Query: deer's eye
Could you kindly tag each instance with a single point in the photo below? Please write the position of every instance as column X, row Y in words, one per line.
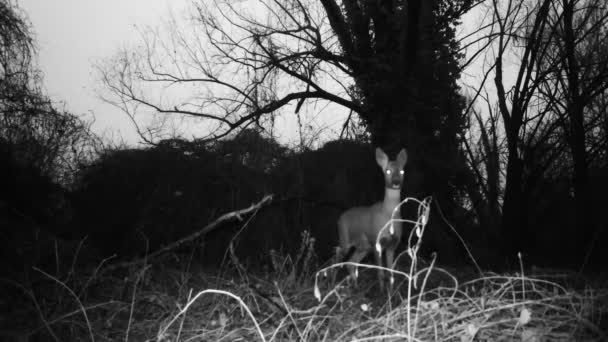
column 388, row 172
column 402, row 172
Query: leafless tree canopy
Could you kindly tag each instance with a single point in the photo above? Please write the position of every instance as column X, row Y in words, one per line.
column 548, row 64
column 32, row 129
column 538, row 115
column 235, row 63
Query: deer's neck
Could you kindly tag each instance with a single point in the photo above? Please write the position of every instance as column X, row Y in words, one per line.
column 392, row 197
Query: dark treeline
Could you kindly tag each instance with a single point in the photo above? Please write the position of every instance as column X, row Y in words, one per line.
column 518, row 166
column 132, row 201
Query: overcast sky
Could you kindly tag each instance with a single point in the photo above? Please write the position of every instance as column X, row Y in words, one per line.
column 73, row 34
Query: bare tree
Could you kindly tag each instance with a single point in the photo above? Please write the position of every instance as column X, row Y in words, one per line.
column 244, row 63
column 517, row 35
column 32, row 129
column 248, row 60
column 392, row 65
column 548, row 61
column 484, row 146
column 578, row 65
column 16, row 52
column 597, row 136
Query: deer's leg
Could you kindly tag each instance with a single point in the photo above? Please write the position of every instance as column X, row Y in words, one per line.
column 357, row 256
column 378, row 259
column 390, row 257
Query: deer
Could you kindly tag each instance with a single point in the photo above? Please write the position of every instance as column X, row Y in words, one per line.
column 360, row 229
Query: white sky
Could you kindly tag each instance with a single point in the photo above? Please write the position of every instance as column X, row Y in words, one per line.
column 73, row 34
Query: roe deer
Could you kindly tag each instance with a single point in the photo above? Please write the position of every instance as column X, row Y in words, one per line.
column 358, row 227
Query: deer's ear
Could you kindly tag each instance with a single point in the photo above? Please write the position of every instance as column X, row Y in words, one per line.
column 402, row 158
column 381, row 158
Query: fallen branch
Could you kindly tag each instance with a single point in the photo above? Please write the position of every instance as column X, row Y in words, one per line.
column 205, row 230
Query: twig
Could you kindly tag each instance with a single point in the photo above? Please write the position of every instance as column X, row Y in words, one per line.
column 70, row 291
column 225, row 293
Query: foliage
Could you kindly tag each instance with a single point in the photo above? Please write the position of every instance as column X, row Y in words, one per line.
column 41, row 147
column 157, row 195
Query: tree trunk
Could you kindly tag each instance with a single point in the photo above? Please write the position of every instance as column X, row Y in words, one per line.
column 580, row 180
column 575, row 111
column 514, row 223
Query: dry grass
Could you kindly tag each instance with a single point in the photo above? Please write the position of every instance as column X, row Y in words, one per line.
column 160, row 304
column 293, row 300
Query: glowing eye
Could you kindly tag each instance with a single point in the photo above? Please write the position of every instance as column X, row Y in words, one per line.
column 388, row 172
column 402, row 172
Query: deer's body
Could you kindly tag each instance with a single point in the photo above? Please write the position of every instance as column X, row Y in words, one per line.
column 360, row 227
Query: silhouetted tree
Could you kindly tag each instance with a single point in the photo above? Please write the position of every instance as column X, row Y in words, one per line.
column 578, row 64
column 394, row 64
column 40, row 146
column 548, row 68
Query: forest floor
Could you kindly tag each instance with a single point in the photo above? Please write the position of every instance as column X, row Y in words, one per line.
column 295, row 300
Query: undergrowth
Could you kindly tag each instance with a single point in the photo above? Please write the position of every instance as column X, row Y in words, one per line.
column 295, row 299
